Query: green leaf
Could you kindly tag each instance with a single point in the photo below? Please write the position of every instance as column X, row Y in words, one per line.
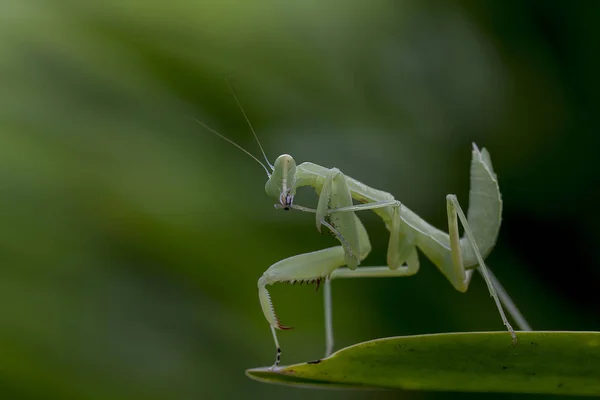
column 541, row 362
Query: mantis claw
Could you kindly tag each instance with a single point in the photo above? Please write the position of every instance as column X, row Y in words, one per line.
column 267, row 306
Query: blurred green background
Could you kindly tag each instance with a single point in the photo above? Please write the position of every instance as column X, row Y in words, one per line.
column 131, row 239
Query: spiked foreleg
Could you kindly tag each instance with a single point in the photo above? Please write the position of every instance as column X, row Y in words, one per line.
column 335, row 194
column 318, row 265
column 401, row 245
column 308, row 267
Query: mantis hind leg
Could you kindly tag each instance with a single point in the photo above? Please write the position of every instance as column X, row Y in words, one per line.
column 481, row 227
column 460, row 277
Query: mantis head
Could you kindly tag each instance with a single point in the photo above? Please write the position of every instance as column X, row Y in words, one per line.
column 282, row 181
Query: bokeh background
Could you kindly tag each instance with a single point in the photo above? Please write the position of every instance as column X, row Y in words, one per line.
column 131, row 239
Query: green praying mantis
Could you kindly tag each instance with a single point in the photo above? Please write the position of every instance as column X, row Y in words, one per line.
column 456, row 257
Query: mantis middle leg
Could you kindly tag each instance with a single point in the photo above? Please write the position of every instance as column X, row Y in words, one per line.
column 411, row 268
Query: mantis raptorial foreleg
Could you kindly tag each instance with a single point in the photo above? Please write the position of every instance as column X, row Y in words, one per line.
column 305, row 268
column 317, row 266
column 335, row 193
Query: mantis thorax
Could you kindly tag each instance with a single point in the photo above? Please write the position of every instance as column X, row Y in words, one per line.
column 282, row 182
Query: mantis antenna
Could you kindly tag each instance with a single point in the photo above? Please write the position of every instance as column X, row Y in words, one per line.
column 249, row 124
column 233, row 143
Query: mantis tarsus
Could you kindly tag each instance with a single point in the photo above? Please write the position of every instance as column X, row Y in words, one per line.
column 456, row 257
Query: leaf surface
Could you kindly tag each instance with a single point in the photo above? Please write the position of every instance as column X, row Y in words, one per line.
column 541, row 362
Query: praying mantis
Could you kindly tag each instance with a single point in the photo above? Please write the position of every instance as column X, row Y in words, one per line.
column 456, row 257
